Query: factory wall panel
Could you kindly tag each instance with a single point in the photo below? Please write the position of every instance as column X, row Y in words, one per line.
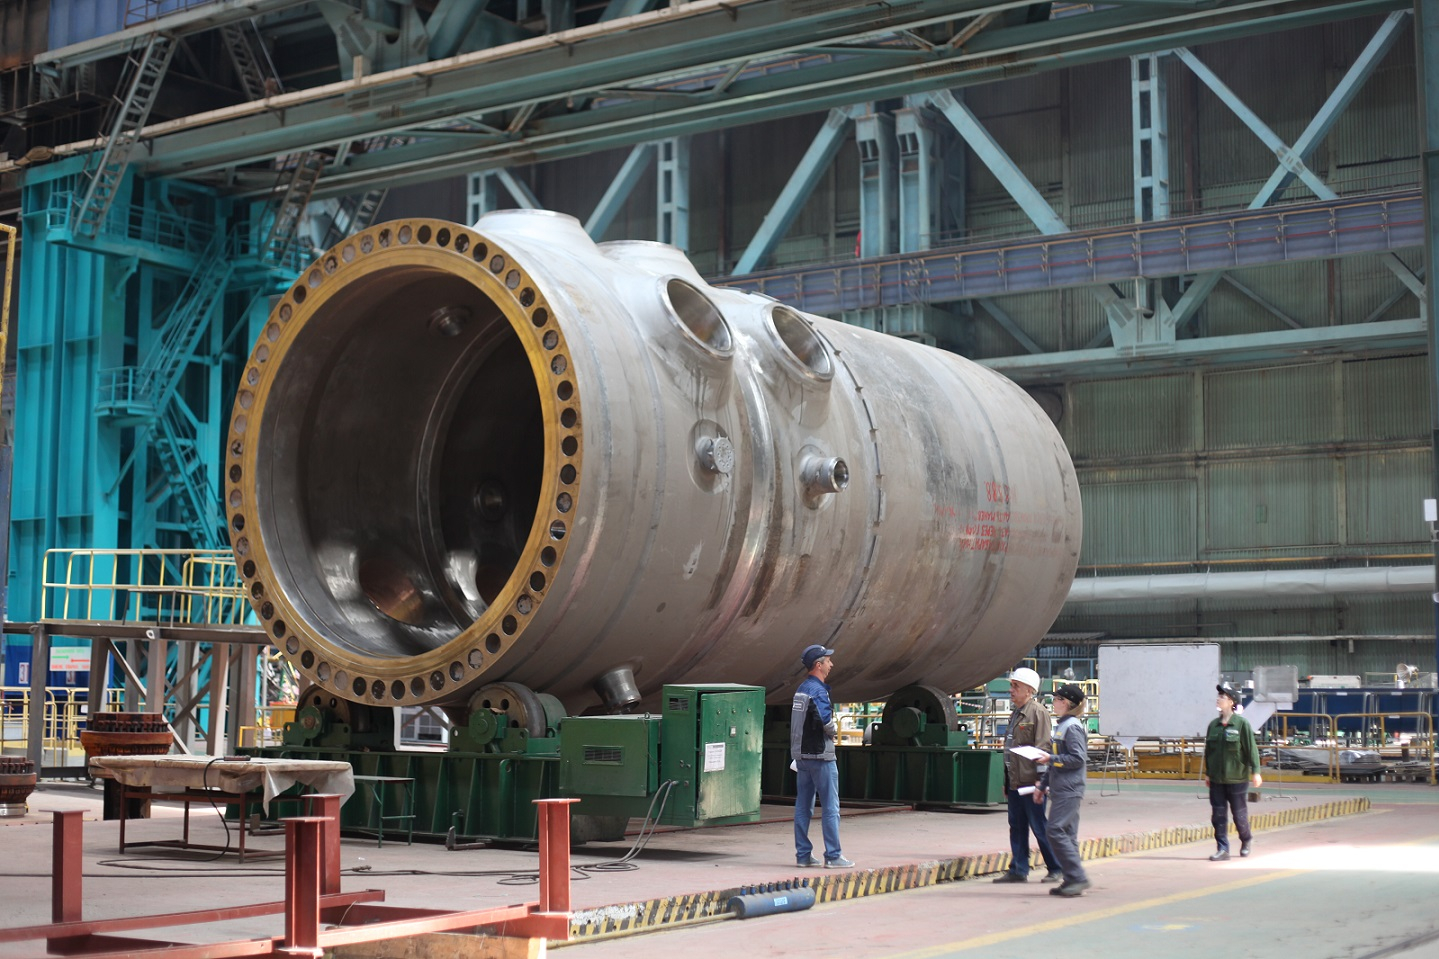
column 1145, row 522
column 1407, row 614
column 1276, row 407
column 24, row 32
column 1101, row 179
column 1375, row 144
column 1377, row 658
column 1384, row 496
column 1283, row 82
column 1026, row 118
column 1383, row 399
column 1141, row 416
column 1298, row 290
column 1367, row 290
column 74, row 21
column 1040, row 315
column 1083, row 318
column 761, row 160
column 1286, row 503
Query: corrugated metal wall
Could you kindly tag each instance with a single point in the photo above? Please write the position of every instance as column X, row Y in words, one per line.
column 1320, row 463
column 24, row 30
column 74, row 21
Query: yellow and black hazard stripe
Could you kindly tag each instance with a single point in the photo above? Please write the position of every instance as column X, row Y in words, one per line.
column 651, row 914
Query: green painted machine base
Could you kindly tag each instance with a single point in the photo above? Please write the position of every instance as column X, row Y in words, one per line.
column 931, row 775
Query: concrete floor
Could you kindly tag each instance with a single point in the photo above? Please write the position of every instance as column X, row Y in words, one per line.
column 1355, row 886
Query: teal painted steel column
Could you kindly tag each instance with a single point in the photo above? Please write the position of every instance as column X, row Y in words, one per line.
column 921, row 169
column 1427, row 59
column 1149, row 108
column 878, row 187
column 482, row 195
column 672, row 192
column 67, row 463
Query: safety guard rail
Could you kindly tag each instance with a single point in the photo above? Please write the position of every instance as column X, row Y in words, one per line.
column 163, row 586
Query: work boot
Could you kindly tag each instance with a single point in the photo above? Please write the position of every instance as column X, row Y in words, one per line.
column 1012, row 877
column 1245, row 848
column 1220, row 856
column 1070, row 889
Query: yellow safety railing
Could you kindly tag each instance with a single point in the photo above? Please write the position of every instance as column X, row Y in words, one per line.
column 161, row 586
column 14, row 715
column 269, row 728
column 66, row 710
column 1326, row 742
column 1424, row 721
column 984, row 728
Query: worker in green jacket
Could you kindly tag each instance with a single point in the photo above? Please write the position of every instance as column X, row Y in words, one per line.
column 1231, row 764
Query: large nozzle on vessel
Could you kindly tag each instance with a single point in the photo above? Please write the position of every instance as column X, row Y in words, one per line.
column 461, row 457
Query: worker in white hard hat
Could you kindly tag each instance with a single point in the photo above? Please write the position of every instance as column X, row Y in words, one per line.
column 1028, row 726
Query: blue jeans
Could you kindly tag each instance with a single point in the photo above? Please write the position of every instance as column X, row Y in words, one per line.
column 1025, row 815
column 816, row 778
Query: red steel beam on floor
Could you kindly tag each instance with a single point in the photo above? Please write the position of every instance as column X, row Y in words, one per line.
column 332, row 906
column 312, row 866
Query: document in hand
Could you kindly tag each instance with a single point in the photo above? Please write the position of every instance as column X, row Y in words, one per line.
column 1028, row 752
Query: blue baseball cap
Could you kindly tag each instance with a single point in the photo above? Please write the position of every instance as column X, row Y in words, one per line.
column 812, row 655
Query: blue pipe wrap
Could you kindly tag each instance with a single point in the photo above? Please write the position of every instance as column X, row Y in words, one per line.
column 769, row 903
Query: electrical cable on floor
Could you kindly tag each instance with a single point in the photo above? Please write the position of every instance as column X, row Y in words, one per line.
column 651, row 823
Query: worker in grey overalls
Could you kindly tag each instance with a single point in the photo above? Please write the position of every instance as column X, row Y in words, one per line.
column 1062, row 782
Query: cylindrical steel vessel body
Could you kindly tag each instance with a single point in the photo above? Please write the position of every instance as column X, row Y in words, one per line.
column 460, row 456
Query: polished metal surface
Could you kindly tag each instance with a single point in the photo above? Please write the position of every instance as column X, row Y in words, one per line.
column 460, row 457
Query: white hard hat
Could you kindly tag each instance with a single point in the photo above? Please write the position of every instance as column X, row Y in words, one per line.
column 1027, row 676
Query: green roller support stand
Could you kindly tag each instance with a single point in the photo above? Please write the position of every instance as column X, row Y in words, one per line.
column 917, row 754
column 705, row 743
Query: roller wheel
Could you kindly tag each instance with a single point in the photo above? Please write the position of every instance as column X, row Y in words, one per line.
column 525, row 708
column 934, row 704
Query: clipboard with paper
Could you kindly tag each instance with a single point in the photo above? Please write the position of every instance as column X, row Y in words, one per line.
column 1031, row 753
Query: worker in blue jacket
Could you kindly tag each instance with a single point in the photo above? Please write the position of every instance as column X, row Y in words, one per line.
column 812, row 728
column 1062, row 783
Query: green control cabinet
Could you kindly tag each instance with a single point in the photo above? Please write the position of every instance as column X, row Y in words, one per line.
column 705, row 744
column 610, row 761
column 712, row 751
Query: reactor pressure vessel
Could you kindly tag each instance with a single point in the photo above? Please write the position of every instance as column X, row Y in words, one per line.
column 506, row 454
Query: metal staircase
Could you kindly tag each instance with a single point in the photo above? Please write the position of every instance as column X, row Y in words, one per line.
column 304, row 174
column 166, row 364
column 177, row 444
column 242, row 56
column 354, row 214
column 148, row 396
column 145, row 72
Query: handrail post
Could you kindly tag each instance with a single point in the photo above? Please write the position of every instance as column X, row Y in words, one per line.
column 554, row 830
column 303, row 859
column 326, row 806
